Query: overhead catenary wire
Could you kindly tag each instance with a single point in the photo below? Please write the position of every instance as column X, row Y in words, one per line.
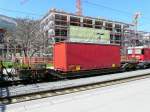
column 23, row 2
column 84, row 1
column 106, row 7
column 21, row 12
column 115, row 10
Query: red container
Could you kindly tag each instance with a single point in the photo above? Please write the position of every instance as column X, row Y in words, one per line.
column 71, row 56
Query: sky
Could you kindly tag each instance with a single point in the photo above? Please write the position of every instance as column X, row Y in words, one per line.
column 119, row 10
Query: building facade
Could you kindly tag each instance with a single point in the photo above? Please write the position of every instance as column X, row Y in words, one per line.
column 56, row 25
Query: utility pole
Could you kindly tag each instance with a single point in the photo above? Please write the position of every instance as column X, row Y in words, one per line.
column 135, row 20
column 135, row 23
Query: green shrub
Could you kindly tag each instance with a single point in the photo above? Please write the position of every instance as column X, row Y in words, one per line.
column 24, row 66
column 8, row 64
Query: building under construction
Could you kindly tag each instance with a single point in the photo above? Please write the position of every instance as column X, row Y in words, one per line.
column 57, row 25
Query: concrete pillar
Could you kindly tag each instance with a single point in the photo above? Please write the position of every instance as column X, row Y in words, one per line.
column 93, row 23
column 104, row 25
column 81, row 21
column 113, row 31
column 68, row 29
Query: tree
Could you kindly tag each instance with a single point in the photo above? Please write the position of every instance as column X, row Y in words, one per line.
column 29, row 36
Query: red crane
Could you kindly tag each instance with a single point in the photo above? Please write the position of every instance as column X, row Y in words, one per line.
column 79, row 7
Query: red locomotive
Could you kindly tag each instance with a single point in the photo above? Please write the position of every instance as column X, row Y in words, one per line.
column 140, row 54
column 139, row 57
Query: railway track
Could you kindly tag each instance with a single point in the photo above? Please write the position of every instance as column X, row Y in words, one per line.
column 69, row 90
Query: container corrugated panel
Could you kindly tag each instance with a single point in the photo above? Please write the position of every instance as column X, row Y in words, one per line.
column 71, row 56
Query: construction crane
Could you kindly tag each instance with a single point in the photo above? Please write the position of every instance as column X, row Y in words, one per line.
column 79, row 7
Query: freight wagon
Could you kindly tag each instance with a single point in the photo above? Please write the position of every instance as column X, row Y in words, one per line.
column 72, row 59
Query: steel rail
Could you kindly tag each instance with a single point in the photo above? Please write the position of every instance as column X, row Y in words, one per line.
column 69, row 90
